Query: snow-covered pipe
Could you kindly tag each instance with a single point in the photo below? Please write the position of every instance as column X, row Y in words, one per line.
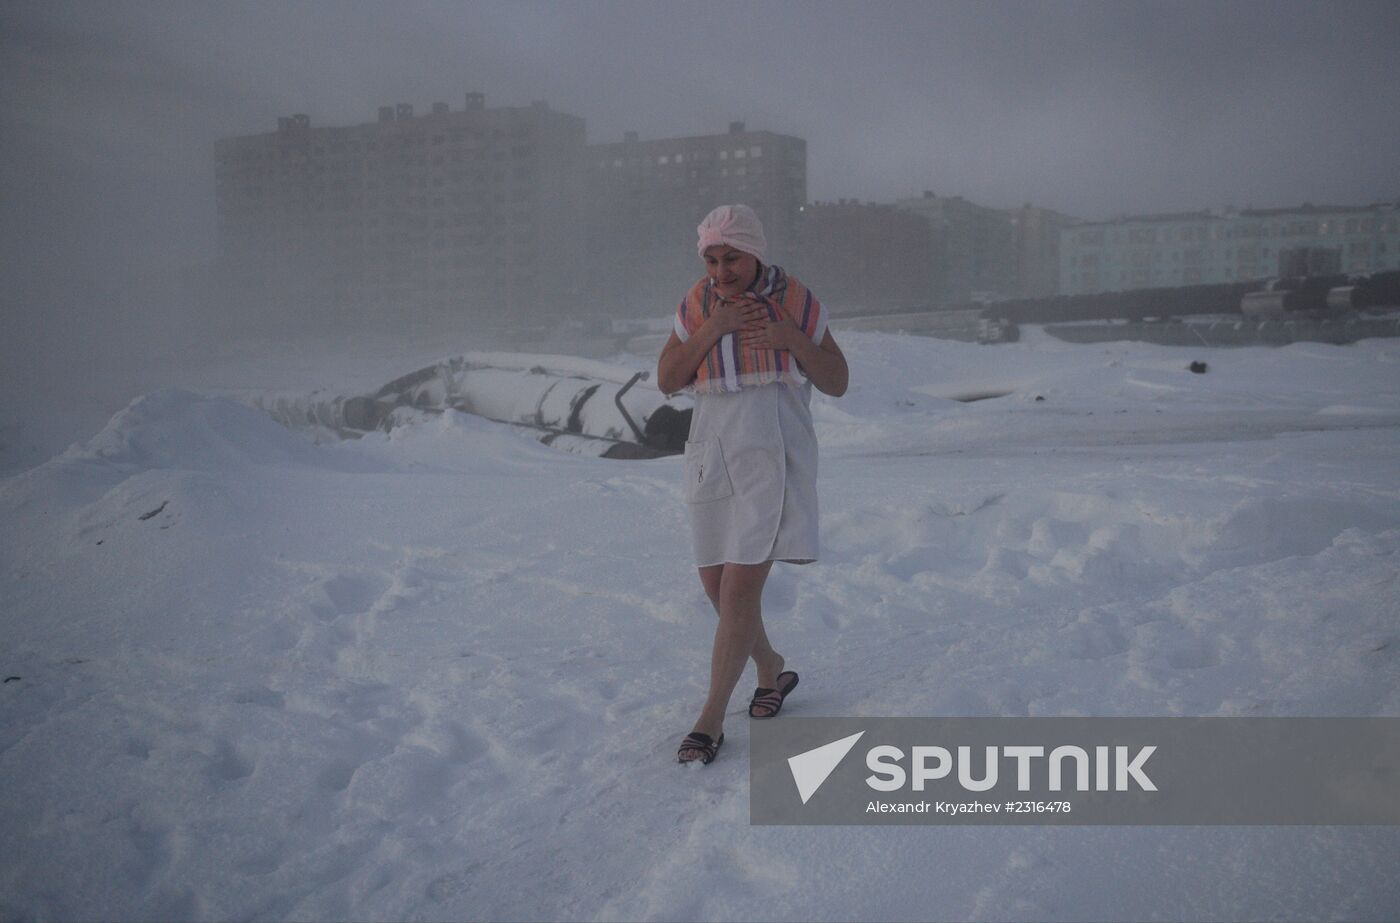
column 561, row 395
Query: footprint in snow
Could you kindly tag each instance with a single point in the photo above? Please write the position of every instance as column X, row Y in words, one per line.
column 228, row 765
column 349, row 594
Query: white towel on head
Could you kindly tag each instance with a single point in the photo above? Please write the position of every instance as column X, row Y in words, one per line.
column 735, row 225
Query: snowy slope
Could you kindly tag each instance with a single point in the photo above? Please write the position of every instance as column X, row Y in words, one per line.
column 442, row 672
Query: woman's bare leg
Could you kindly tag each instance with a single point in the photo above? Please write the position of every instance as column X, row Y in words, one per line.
column 768, row 661
column 740, row 619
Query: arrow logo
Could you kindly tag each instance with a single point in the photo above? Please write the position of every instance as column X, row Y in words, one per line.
column 810, row 769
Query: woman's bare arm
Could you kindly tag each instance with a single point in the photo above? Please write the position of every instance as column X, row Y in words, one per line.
column 824, row 365
column 680, row 358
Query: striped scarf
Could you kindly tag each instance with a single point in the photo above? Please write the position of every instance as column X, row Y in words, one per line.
column 729, row 366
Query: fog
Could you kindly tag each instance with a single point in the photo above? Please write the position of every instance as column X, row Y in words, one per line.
column 109, row 114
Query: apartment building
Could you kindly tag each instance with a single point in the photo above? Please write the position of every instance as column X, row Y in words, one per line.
column 1035, row 234
column 863, row 256
column 1227, row 245
column 973, row 247
column 647, row 196
column 475, row 212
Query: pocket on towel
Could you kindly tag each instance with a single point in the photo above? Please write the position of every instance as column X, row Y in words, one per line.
column 706, row 477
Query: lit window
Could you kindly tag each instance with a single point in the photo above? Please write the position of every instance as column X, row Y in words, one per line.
column 664, row 159
column 740, row 153
column 723, row 155
column 756, row 151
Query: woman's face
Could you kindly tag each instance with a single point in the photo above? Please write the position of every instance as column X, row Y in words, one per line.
column 731, row 270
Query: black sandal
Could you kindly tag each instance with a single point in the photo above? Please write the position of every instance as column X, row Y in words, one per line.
column 702, row 742
column 772, row 699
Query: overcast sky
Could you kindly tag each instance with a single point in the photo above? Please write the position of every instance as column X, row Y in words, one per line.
column 110, row 109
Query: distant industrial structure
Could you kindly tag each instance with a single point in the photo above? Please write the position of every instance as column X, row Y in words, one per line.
column 1195, row 248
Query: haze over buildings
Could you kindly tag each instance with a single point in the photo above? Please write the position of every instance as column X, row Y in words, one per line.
column 501, row 216
column 108, row 114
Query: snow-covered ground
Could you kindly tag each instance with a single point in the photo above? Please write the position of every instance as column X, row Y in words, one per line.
column 441, row 673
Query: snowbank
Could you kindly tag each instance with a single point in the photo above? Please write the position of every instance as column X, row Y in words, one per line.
column 441, row 672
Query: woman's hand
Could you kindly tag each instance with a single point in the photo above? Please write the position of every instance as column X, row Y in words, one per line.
column 773, row 334
column 743, row 312
column 823, row 363
column 675, row 368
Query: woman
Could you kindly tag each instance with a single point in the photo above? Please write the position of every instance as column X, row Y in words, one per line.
column 749, row 341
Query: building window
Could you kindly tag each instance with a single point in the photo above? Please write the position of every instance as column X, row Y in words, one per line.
column 756, row 151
